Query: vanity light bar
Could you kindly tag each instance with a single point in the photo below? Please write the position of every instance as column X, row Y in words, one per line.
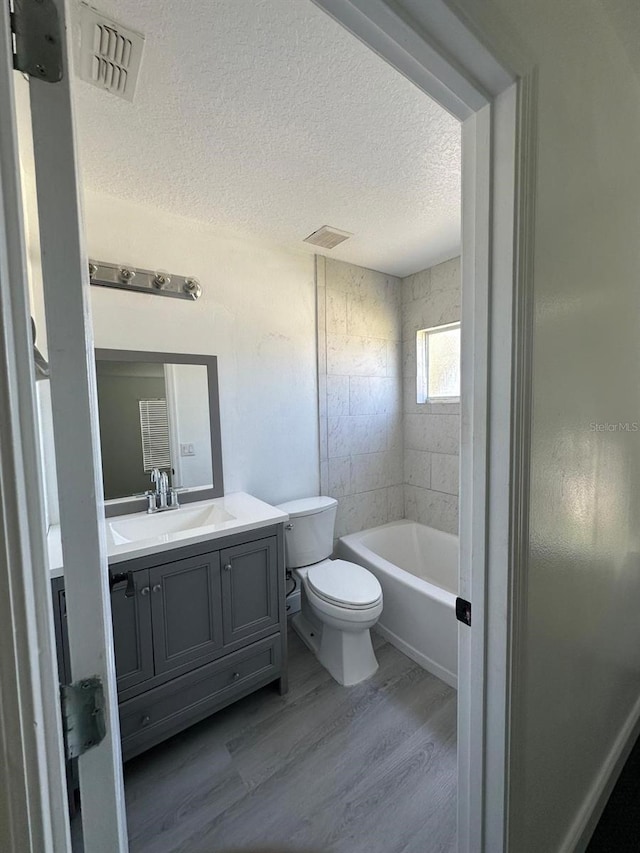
column 144, row 281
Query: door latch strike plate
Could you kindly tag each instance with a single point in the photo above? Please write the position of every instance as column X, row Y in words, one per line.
column 37, row 39
column 463, row 611
column 83, row 719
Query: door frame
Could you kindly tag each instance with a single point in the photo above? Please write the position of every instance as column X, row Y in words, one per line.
column 33, row 801
column 441, row 55
column 80, row 493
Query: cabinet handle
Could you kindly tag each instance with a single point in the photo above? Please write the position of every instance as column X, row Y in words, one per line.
column 144, row 590
column 227, row 568
column 145, row 720
column 235, row 676
column 156, row 587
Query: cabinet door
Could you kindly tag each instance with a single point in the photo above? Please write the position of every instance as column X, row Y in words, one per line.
column 250, row 588
column 131, row 618
column 187, row 612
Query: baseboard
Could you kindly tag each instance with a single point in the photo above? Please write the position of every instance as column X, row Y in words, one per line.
column 581, row 830
column 424, row 661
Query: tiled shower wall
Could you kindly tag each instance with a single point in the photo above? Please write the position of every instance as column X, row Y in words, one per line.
column 431, row 430
column 382, row 455
column 360, row 396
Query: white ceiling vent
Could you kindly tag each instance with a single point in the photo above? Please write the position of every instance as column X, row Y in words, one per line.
column 328, row 237
column 110, row 54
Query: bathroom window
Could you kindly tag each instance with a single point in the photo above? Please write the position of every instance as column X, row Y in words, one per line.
column 438, row 363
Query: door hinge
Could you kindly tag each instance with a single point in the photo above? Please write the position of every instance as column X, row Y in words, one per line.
column 463, row 611
column 83, row 720
column 37, row 39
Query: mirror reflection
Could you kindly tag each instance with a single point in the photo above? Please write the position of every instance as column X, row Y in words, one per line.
column 153, row 415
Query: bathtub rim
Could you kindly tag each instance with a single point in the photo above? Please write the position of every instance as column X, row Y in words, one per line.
column 445, row 596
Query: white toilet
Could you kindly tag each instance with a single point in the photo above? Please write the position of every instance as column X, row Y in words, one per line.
column 340, row 601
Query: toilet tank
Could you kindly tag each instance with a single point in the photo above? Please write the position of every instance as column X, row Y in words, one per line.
column 308, row 537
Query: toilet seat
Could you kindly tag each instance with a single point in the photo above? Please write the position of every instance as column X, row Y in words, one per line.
column 344, row 584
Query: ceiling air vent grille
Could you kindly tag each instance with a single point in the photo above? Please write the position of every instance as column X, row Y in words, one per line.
column 110, row 54
column 327, row 237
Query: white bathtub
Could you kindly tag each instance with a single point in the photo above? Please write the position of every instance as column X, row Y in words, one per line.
column 417, row 567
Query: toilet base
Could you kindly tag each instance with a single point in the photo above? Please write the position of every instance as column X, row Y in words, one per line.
column 348, row 656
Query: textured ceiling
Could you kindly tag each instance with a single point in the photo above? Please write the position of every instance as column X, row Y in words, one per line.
column 266, row 119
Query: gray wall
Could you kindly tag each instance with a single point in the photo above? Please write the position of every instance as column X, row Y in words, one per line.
column 360, row 406
column 431, row 430
column 579, row 662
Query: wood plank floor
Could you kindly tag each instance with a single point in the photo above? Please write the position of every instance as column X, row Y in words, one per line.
column 325, row 768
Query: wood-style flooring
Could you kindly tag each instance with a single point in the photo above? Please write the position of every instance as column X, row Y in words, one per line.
column 325, row 768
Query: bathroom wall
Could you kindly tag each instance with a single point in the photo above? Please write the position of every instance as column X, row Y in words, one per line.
column 578, row 667
column 431, row 430
column 360, row 400
column 257, row 314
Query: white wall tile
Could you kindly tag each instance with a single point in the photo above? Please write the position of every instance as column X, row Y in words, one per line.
column 357, row 434
column 395, row 432
column 409, row 367
column 337, row 396
column 416, row 286
column 336, row 312
column 439, row 433
column 417, row 468
column 394, row 359
column 323, row 438
column 373, row 395
column 410, row 405
column 372, row 318
column 395, row 503
column 445, row 472
column 360, row 282
column 322, row 395
column 435, row 509
column 376, row 471
column 361, row 511
column 441, row 408
column 321, row 318
column 354, row 356
column 340, row 476
column 324, row 477
column 415, row 432
column 431, row 431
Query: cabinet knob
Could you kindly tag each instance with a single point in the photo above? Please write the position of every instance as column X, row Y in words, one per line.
column 157, row 587
column 227, row 567
column 144, row 590
column 146, row 720
column 235, row 676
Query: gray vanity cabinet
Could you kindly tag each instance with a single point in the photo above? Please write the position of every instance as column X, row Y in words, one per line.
column 131, row 618
column 194, row 629
column 249, row 589
column 186, row 612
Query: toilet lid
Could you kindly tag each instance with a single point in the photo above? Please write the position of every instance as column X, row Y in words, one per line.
column 343, row 583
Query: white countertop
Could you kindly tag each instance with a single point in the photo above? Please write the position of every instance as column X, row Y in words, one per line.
column 247, row 513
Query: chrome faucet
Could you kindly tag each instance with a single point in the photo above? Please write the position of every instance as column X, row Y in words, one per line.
column 162, row 497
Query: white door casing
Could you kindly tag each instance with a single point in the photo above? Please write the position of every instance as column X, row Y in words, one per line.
column 435, row 50
column 74, row 405
column 33, row 814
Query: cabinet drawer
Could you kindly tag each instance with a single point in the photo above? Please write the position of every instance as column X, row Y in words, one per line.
column 165, row 710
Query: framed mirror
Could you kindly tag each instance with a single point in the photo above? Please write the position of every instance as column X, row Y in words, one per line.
column 158, row 410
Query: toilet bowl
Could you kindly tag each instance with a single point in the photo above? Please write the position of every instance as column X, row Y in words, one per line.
column 340, row 601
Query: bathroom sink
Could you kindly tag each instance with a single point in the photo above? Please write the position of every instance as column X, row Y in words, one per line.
column 164, row 524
